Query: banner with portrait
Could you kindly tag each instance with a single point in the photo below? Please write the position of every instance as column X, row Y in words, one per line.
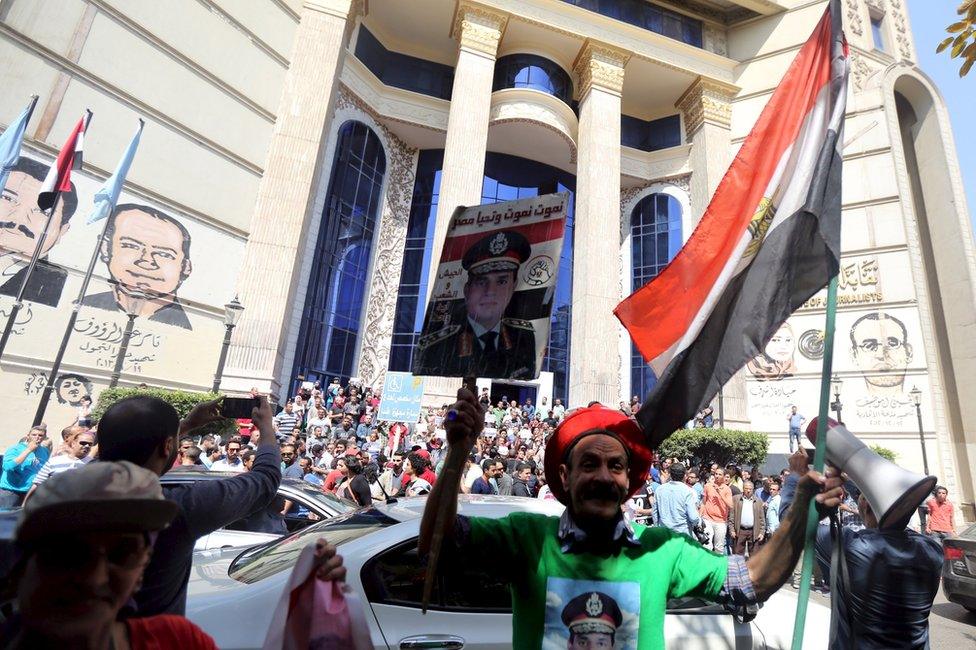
column 490, row 305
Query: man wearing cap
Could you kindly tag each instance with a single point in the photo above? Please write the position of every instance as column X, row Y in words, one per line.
column 594, row 461
column 486, row 344
column 86, row 538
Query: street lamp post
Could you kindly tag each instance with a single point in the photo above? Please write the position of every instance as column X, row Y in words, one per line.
column 835, row 385
column 917, row 399
column 232, row 313
column 136, row 301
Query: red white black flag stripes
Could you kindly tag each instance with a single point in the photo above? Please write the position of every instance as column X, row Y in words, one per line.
column 58, row 177
column 768, row 241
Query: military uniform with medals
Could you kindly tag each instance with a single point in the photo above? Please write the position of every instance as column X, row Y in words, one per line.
column 508, row 350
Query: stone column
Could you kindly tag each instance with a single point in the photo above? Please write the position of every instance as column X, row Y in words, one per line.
column 268, row 278
column 594, row 372
column 707, row 110
column 478, row 30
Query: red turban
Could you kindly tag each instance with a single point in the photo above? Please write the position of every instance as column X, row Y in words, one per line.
column 597, row 419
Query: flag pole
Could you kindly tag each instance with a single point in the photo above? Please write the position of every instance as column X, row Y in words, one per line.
column 813, row 516
column 19, row 300
column 72, row 319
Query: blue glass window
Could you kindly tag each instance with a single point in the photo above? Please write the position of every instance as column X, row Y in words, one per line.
column 650, row 135
column 506, row 178
column 531, row 71
column 877, row 32
column 402, row 70
column 655, row 238
column 328, row 339
column 647, row 16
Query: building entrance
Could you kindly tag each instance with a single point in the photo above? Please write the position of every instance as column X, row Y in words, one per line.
column 517, row 392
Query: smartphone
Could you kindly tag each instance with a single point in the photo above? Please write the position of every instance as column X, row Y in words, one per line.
column 238, row 407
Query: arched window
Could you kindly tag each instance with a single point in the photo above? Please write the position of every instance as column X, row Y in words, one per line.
column 655, row 238
column 328, row 339
column 536, row 72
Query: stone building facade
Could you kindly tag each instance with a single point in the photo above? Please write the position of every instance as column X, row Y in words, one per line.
column 313, row 151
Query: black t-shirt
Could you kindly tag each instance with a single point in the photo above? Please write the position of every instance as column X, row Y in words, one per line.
column 359, row 488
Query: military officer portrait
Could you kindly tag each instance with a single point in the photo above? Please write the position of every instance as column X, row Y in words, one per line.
column 592, row 620
column 483, row 342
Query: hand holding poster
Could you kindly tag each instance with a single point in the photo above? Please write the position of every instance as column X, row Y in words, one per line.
column 490, row 306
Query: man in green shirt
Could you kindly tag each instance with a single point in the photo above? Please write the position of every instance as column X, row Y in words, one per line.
column 622, row 575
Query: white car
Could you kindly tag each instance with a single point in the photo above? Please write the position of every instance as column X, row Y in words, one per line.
column 310, row 505
column 471, row 605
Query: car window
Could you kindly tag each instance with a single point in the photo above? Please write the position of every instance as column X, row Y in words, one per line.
column 265, row 560
column 396, row 577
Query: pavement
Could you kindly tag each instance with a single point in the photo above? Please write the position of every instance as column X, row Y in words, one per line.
column 951, row 627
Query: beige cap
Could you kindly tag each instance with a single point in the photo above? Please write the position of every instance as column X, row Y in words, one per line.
column 115, row 497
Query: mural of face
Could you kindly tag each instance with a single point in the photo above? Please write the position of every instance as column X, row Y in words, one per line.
column 21, row 221
column 71, row 389
column 780, row 347
column 147, row 253
column 881, row 352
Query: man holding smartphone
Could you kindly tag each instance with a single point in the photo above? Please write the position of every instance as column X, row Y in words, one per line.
column 144, row 430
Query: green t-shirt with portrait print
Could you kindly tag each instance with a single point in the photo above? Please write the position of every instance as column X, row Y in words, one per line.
column 625, row 593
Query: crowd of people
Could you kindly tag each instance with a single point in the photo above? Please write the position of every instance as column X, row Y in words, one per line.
column 329, row 437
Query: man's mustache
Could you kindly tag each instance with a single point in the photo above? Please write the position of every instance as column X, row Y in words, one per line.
column 11, row 225
column 603, row 491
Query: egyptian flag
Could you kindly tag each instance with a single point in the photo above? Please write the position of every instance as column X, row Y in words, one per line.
column 768, row 241
column 58, row 177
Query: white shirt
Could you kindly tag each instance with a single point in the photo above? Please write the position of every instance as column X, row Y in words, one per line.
column 746, row 520
column 58, row 464
column 223, row 466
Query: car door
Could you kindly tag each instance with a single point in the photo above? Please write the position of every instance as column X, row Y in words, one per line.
column 694, row 624
column 470, row 607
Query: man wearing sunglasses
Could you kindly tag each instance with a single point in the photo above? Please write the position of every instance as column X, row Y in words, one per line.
column 84, row 540
column 78, row 445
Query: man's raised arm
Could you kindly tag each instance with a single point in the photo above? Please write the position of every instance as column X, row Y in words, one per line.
column 463, row 430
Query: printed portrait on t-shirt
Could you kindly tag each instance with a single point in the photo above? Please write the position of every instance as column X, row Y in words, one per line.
column 591, row 614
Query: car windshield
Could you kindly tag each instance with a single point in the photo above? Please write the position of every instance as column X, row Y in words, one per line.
column 268, row 559
column 315, row 493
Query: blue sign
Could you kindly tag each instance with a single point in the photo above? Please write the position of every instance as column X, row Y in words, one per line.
column 400, row 402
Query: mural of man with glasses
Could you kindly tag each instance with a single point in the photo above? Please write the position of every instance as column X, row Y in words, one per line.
column 880, row 349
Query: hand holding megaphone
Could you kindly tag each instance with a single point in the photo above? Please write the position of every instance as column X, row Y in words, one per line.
column 892, row 492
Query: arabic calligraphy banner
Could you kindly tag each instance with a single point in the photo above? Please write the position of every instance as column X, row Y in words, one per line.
column 402, row 393
column 491, row 301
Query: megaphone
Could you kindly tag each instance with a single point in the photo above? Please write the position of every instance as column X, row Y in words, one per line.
column 894, row 493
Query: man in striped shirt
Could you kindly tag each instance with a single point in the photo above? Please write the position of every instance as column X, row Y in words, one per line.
column 286, row 422
column 78, row 446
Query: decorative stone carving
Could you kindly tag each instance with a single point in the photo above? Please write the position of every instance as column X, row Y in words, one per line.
column 877, row 5
column 599, row 64
column 902, row 37
column 517, row 105
column 854, row 17
column 715, row 40
column 377, row 328
column 478, row 28
column 706, row 101
column 860, row 71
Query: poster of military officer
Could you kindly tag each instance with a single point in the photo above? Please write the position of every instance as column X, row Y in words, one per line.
column 490, row 305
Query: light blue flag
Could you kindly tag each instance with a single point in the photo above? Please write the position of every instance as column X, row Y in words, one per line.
column 108, row 196
column 10, row 142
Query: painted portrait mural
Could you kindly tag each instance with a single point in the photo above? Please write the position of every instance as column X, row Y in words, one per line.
column 877, row 354
column 146, row 253
column 21, row 224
